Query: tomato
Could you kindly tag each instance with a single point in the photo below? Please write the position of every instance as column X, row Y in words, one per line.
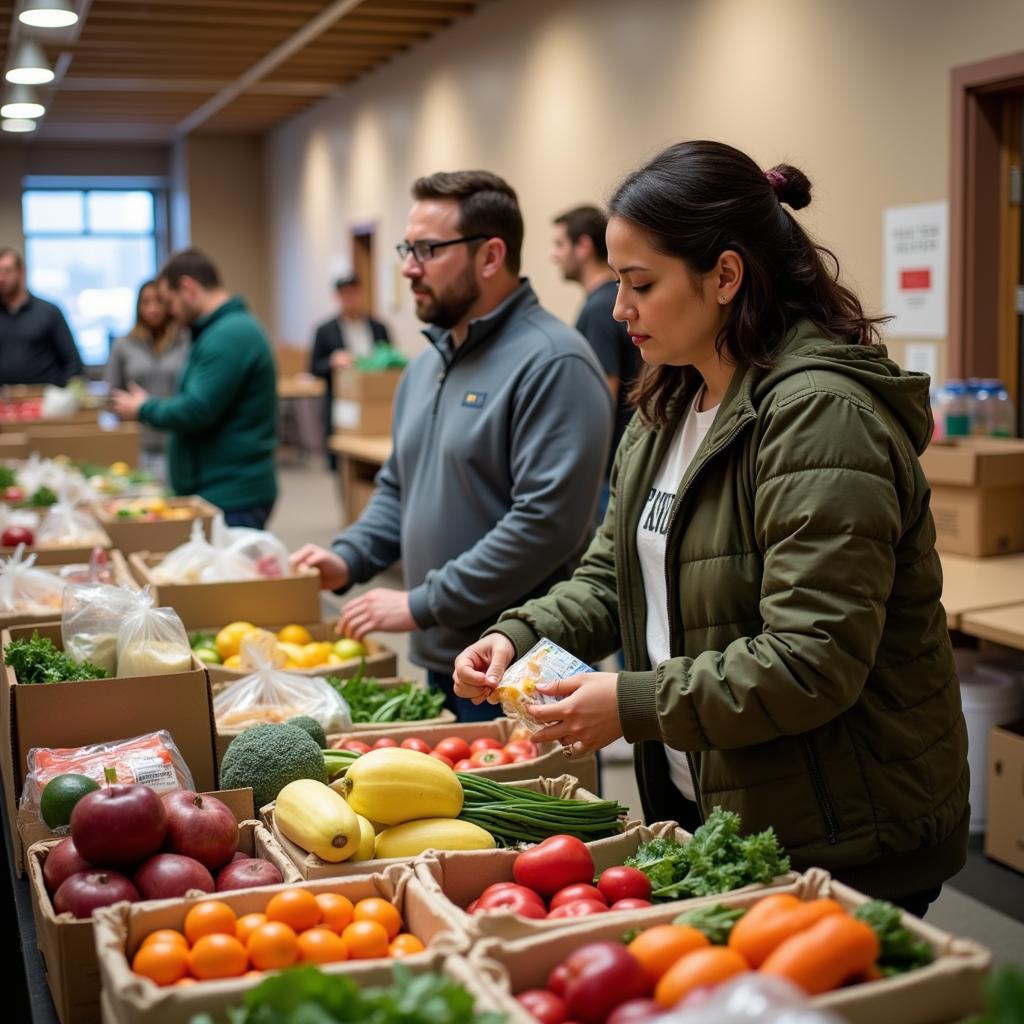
column 484, row 743
column 601, row 976
column 465, row 765
column 624, row 884
column 578, row 908
column 553, row 864
column 558, row 979
column 383, row 743
column 442, row 758
column 415, row 743
column 471, row 908
column 545, row 1006
column 631, row 904
column 514, row 898
column 522, row 750
column 357, row 747
column 571, row 893
column 489, row 758
column 455, row 748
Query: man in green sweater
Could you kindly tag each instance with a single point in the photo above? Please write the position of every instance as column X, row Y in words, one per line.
column 223, row 420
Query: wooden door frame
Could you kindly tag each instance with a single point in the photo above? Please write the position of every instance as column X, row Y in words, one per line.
column 975, row 202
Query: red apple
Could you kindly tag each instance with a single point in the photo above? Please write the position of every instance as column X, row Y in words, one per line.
column 200, row 827
column 119, row 826
column 239, row 856
column 246, row 874
column 62, row 862
column 15, row 535
column 81, row 894
column 601, row 976
column 168, row 875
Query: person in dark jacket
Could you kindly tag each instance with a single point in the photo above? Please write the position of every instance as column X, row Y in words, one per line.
column 342, row 339
column 768, row 557
column 223, row 419
column 500, row 430
column 36, row 346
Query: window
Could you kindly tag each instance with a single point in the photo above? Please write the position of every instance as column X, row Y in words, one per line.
column 88, row 250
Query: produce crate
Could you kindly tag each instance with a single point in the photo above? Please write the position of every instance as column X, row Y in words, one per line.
column 86, row 443
column 451, row 878
column 550, row 763
column 946, row 990
column 311, row 866
column 92, row 711
column 381, row 661
column 293, row 598
column 64, row 554
column 131, row 535
column 68, row 945
column 120, row 930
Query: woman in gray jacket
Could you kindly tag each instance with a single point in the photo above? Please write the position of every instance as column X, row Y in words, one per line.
column 151, row 355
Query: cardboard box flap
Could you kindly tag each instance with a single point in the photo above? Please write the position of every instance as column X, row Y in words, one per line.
column 975, row 462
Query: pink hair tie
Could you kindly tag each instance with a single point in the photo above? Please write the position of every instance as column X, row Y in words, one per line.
column 777, row 180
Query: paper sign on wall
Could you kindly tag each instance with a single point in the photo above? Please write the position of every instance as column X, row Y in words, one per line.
column 916, row 269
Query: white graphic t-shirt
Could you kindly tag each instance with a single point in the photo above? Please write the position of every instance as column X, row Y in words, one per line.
column 651, row 534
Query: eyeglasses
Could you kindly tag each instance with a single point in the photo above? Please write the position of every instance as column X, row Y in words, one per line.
column 423, row 251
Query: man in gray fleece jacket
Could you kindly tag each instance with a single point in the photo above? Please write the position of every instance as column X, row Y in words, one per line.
column 501, row 431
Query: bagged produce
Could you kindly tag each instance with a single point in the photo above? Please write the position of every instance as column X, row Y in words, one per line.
column 186, row 563
column 271, row 695
column 152, row 641
column 151, row 760
column 90, row 621
column 243, row 554
column 26, row 590
column 97, row 570
column 545, row 662
column 67, row 526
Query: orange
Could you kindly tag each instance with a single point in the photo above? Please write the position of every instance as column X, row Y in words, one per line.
column 658, row 948
column 247, row 924
column 211, row 917
column 218, row 956
column 366, row 940
column 272, row 946
column 297, row 908
column 316, row 653
column 405, row 944
column 166, row 935
column 336, row 910
column 253, row 974
column 162, row 962
column 322, row 946
column 184, row 981
column 229, row 639
column 376, row 909
column 698, row 969
column 295, row 635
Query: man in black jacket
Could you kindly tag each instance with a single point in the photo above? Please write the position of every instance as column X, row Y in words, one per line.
column 342, row 339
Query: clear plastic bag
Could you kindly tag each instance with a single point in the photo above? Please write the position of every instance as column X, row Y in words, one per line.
column 749, row 999
column 243, row 554
column 97, row 570
column 18, row 517
column 151, row 760
column 90, row 621
column 67, row 526
column 185, row 564
column 26, row 590
column 272, row 695
column 545, row 662
column 152, row 641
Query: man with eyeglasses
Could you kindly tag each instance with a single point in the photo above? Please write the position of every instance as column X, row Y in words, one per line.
column 501, row 431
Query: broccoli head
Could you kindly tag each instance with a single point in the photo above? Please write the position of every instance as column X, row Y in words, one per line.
column 312, row 726
column 268, row 757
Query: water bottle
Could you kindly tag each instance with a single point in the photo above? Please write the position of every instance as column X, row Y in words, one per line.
column 983, row 394
column 937, row 400
column 957, row 410
column 973, row 398
column 1001, row 418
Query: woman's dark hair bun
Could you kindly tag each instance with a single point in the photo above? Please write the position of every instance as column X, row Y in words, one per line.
column 791, row 185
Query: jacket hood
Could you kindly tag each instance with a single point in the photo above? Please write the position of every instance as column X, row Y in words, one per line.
column 905, row 394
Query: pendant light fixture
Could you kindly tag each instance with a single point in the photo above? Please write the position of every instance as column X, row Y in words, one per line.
column 28, row 65
column 21, row 101
column 17, row 124
column 48, row 13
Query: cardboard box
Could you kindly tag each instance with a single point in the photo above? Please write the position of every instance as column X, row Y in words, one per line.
column 130, row 535
column 550, row 763
column 83, row 443
column 65, row 554
column 366, row 386
column 84, row 417
column 946, row 990
column 351, row 417
column 14, row 446
column 381, row 661
column 474, row 863
column 91, row 711
column 284, row 599
column 132, row 1000
column 1004, row 836
column 68, row 945
column 977, row 495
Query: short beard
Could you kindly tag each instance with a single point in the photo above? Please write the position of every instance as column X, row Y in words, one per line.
column 449, row 308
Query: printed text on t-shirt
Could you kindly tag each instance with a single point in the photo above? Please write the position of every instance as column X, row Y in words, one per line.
column 656, row 511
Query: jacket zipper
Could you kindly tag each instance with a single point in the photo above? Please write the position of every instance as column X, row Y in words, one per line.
column 818, row 781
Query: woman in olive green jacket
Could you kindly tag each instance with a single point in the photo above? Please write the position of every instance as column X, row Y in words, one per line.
column 767, row 562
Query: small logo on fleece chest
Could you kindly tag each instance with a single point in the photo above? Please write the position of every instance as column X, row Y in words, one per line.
column 474, row 399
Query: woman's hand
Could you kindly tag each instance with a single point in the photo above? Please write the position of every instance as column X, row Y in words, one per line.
column 479, row 668
column 587, row 716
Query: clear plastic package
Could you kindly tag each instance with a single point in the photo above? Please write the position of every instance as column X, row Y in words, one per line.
column 749, row 999
column 185, row 564
column 230, row 555
column 152, row 641
column 91, row 619
column 545, row 662
column 26, row 590
column 67, row 526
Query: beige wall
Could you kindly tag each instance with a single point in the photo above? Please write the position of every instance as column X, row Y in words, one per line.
column 564, row 96
column 12, row 170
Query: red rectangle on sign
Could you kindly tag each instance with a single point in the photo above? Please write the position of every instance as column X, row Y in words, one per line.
column 915, row 280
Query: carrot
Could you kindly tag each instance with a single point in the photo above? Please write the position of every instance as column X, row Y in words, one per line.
column 772, row 920
column 702, row 967
column 823, row 956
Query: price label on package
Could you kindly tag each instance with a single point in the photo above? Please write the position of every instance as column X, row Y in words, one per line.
column 545, row 662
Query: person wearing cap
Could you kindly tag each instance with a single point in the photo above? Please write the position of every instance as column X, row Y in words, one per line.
column 343, row 339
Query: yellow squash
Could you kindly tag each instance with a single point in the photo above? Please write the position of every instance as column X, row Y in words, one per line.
column 318, row 820
column 394, row 785
column 412, row 838
column 367, row 840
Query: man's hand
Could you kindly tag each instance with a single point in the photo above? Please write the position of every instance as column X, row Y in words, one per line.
column 377, row 611
column 340, row 358
column 334, row 571
column 479, row 668
column 127, row 403
column 587, row 716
